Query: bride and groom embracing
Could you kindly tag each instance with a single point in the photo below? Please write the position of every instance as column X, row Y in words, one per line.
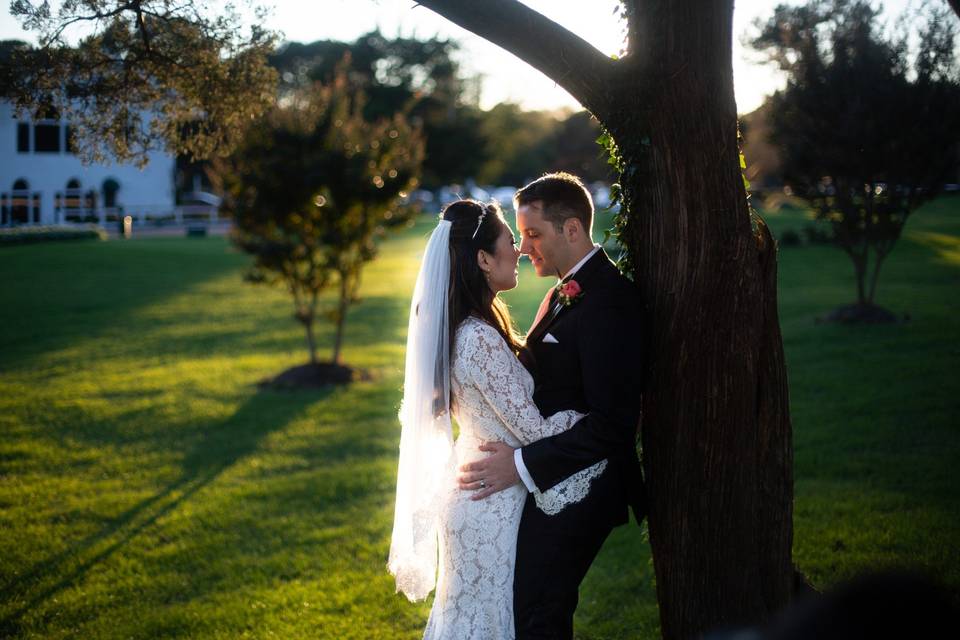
column 506, row 519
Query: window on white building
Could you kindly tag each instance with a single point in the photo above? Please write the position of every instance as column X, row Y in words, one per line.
column 110, row 189
column 23, row 137
column 46, row 138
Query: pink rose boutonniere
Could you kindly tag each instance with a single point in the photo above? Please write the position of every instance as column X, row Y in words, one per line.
column 569, row 292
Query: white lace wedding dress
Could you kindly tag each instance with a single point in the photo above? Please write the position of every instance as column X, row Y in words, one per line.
column 492, row 400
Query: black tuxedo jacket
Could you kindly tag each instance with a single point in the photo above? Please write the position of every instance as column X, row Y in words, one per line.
column 594, row 367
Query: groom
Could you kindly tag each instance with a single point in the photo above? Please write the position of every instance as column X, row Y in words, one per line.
column 583, row 351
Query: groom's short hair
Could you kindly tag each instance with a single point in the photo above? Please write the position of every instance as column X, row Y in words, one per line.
column 563, row 195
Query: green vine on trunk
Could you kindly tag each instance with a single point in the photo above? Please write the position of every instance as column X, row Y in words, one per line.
column 756, row 220
column 617, row 197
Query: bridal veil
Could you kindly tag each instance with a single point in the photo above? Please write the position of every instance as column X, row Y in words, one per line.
column 426, row 438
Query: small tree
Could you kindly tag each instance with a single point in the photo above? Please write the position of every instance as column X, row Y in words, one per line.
column 312, row 188
column 865, row 136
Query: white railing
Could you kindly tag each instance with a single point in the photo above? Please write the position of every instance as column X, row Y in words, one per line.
column 141, row 214
column 19, row 206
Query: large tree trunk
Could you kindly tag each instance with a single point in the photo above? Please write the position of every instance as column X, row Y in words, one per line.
column 716, row 430
column 955, row 5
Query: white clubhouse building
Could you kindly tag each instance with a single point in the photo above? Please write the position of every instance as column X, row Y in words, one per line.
column 43, row 182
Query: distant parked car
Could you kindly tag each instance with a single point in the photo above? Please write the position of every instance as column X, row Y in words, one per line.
column 477, row 192
column 420, row 196
column 446, row 195
column 601, row 195
column 504, row 195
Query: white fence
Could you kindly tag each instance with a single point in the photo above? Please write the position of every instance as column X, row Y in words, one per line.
column 20, row 207
column 141, row 214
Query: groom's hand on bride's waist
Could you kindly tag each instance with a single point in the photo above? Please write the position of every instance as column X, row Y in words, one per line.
column 494, row 473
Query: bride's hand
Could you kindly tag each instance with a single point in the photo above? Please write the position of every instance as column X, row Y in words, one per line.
column 494, row 473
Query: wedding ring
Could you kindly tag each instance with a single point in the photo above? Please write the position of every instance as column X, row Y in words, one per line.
column 483, row 483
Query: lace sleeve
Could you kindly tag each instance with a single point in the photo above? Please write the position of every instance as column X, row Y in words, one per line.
column 498, row 375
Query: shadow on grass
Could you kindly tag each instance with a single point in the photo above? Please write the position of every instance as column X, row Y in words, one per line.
column 157, row 300
column 65, row 293
column 217, row 448
column 374, row 320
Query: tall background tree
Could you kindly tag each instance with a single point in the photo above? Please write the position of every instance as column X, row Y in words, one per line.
column 419, row 78
column 865, row 133
column 422, row 79
column 520, row 145
column 310, row 190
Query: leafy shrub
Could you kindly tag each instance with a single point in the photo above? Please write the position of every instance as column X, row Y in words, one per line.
column 816, row 234
column 790, row 238
column 50, row 233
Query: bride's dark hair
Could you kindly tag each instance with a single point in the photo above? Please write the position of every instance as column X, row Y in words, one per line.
column 475, row 226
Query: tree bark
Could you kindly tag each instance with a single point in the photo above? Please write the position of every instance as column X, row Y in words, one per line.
column 875, row 275
column 305, row 315
column 342, row 305
column 716, row 432
column 860, row 271
column 716, row 429
column 311, row 340
column 775, row 454
column 955, row 5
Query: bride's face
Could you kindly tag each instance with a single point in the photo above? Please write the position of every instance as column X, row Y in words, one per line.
column 502, row 265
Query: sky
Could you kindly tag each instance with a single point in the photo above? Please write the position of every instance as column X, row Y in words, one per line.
column 505, row 77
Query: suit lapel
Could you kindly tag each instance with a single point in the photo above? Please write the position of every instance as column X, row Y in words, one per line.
column 583, row 276
column 545, row 322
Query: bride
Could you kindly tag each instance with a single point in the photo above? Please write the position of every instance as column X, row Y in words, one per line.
column 462, row 360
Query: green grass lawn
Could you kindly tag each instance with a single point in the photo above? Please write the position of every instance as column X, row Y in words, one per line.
column 149, row 488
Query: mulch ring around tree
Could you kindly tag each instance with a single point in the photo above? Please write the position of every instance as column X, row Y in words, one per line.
column 862, row 314
column 315, row 376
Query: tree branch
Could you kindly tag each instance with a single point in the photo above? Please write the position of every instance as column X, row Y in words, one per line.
column 561, row 55
column 955, row 4
column 142, row 27
column 46, row 41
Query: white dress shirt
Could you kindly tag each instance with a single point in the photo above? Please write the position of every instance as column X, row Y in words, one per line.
column 518, row 453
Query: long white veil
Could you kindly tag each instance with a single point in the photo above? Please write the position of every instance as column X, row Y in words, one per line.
column 426, row 437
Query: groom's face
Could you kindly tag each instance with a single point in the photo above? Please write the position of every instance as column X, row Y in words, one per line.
column 540, row 241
